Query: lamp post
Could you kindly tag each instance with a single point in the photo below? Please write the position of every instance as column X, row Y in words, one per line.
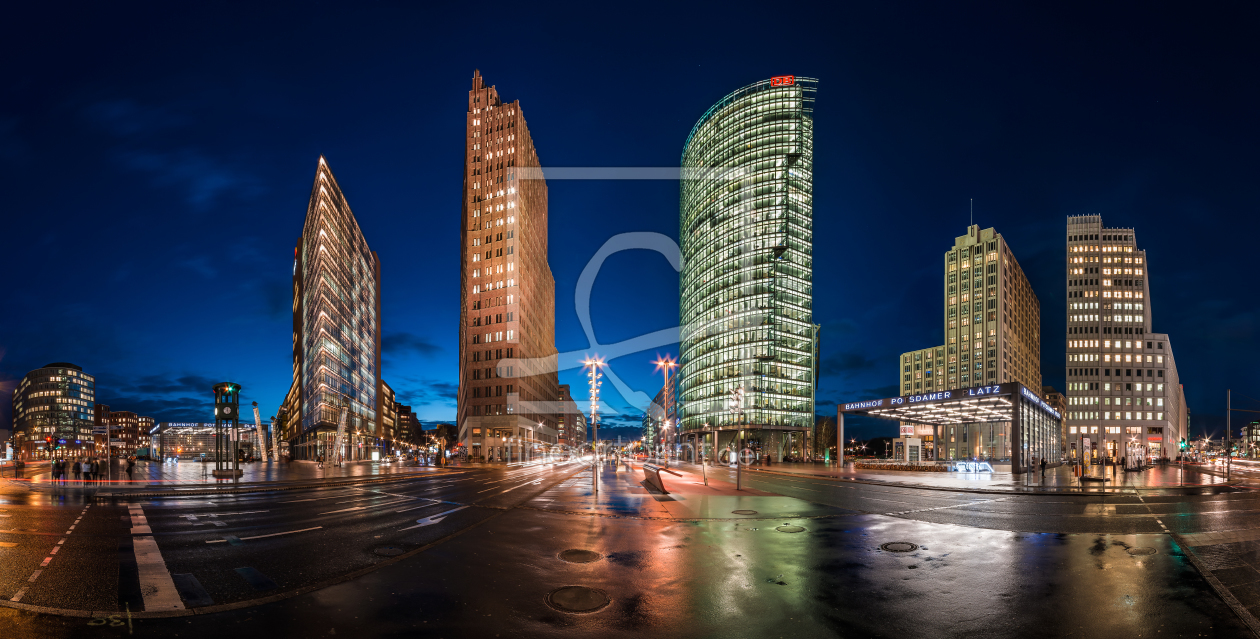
column 593, row 375
column 737, row 409
column 666, row 364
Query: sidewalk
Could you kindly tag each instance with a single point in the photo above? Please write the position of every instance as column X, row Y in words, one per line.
column 1056, row 480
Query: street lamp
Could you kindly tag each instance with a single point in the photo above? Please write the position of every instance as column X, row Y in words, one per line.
column 666, row 364
column 737, row 409
column 593, row 375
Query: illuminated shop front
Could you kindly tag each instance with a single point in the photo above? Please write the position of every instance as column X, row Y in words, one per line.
column 1006, row 425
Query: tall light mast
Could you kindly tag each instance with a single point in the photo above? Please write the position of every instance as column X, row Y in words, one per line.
column 593, row 375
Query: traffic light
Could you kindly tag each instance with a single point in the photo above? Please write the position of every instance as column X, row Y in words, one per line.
column 1182, row 444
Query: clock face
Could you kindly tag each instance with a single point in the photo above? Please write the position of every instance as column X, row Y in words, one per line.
column 227, row 410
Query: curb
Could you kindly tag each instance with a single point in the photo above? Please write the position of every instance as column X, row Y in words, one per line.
column 1221, row 591
column 987, row 491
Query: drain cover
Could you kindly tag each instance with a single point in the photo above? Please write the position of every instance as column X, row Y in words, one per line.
column 579, row 556
column 790, row 529
column 743, row 512
column 389, row 551
column 899, row 546
column 1144, row 550
column 577, row 599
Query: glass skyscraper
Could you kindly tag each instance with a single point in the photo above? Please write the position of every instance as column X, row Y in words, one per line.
column 746, row 299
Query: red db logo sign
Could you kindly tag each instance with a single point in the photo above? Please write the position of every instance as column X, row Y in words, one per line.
column 782, row 80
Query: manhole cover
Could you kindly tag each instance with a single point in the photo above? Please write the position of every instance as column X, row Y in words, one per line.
column 743, row 512
column 899, row 546
column 1144, row 550
column 578, row 556
column 389, row 551
column 790, row 529
column 577, row 599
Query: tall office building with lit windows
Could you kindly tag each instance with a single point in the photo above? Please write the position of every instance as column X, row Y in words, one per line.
column 992, row 321
column 992, row 327
column 53, row 413
column 1123, row 390
column 746, row 291
column 336, row 330
column 509, row 393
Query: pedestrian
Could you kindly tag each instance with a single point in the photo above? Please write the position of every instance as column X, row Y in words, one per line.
column 96, row 469
column 77, row 470
column 131, row 464
column 1043, row 466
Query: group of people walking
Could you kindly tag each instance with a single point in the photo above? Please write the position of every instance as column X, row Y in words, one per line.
column 84, row 469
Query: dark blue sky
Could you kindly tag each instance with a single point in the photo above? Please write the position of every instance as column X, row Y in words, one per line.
column 156, row 161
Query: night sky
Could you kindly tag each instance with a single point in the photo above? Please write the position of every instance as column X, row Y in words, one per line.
column 156, row 161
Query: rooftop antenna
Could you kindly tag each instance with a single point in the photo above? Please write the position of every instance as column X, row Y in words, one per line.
column 973, row 212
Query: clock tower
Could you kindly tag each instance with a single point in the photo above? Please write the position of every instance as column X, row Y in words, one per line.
column 227, row 410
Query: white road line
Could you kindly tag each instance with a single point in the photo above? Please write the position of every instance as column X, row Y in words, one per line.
column 35, row 575
column 156, row 586
column 221, row 541
column 18, row 596
column 429, row 521
column 435, row 502
column 343, row 510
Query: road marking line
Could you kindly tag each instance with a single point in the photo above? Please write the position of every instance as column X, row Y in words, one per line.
column 156, row 586
column 18, row 596
column 54, row 550
column 434, row 519
column 45, row 562
column 435, row 502
column 61, row 542
column 220, row 541
column 35, row 575
column 343, row 510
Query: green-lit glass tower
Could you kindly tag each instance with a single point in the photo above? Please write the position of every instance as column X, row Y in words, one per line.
column 746, row 298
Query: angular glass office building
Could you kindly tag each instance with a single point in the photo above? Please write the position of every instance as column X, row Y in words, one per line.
column 746, row 215
column 336, row 328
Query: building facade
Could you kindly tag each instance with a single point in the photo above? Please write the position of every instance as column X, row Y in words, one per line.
column 992, row 323
column 746, row 288
column 1122, row 384
column 572, row 423
column 508, row 386
column 53, row 413
column 336, row 330
column 660, row 420
column 195, row 440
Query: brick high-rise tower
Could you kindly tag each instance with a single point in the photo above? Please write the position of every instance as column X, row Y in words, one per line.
column 507, row 353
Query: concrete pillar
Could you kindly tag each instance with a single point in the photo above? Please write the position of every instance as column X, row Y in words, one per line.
column 840, row 438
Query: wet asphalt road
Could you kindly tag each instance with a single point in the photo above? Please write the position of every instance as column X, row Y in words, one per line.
column 987, row 565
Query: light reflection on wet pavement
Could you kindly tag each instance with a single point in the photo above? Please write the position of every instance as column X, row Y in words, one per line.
column 685, row 565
